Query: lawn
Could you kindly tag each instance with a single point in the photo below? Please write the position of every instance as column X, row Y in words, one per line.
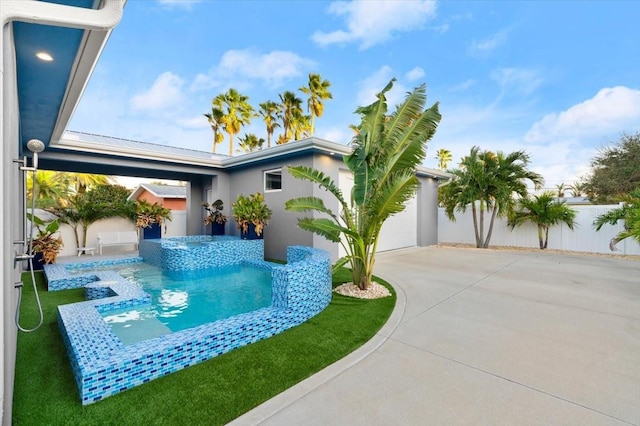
column 213, row 392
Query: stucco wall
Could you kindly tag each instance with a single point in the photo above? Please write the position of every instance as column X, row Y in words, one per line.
column 281, row 230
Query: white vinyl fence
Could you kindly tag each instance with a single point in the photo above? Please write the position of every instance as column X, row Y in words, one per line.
column 583, row 237
column 176, row 227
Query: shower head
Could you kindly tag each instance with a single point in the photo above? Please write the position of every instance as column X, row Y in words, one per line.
column 35, row 145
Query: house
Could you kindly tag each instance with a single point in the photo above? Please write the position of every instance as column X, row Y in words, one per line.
column 49, row 50
column 209, row 177
column 172, row 197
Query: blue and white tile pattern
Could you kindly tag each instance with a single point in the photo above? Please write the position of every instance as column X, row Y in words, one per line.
column 102, row 365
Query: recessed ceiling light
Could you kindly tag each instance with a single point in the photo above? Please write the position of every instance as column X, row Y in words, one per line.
column 44, row 56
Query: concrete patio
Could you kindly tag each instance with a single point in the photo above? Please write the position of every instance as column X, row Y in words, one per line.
column 484, row 337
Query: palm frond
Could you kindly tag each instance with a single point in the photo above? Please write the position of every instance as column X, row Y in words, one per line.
column 323, row 227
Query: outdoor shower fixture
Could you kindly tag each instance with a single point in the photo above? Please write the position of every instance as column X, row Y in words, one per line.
column 35, row 146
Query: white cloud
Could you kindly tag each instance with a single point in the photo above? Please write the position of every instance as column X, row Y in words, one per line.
column 483, row 47
column 464, row 85
column 196, row 122
column 516, row 80
column 334, row 134
column 561, row 145
column 165, row 92
column 204, row 82
column 273, row 68
column 372, row 85
column 611, row 110
column 371, row 23
column 415, row 74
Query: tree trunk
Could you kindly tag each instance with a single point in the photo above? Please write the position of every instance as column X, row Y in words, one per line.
column 359, row 274
column 75, row 234
column 540, row 237
column 84, row 237
column 490, row 231
column 481, row 223
column 475, row 225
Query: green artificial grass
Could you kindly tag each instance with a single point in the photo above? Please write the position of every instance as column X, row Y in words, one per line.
column 213, row 392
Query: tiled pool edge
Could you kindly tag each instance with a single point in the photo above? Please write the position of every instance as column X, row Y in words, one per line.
column 103, row 366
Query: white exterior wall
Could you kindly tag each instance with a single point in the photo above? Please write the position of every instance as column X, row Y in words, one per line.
column 11, row 183
column 583, row 237
column 176, row 228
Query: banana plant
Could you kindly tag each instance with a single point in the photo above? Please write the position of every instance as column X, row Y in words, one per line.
column 386, row 151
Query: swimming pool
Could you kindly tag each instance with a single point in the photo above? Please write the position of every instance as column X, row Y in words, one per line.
column 178, row 304
column 104, row 365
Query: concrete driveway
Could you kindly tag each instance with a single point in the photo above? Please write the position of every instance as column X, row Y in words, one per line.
column 483, row 337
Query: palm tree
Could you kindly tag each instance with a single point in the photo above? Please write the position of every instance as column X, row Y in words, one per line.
column 83, row 209
column 386, row 152
column 250, row 143
column 317, row 90
column 578, row 189
column 629, row 213
column 290, row 108
column 215, row 121
column 560, row 188
column 488, row 182
column 301, row 126
column 545, row 211
column 81, row 182
column 269, row 113
column 49, row 188
column 236, row 112
column 444, row 157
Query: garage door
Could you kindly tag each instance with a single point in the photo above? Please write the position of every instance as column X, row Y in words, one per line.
column 398, row 231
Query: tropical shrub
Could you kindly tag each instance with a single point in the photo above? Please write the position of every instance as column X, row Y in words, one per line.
column 387, row 149
column 629, row 212
column 545, row 211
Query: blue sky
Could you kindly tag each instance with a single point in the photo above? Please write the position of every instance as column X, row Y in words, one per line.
column 558, row 79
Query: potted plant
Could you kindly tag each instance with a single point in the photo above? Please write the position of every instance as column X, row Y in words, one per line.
column 214, row 217
column 149, row 217
column 251, row 214
column 47, row 243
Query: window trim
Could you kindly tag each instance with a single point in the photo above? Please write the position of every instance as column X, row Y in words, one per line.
column 277, row 171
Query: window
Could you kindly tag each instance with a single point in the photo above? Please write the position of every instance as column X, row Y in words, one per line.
column 273, row 180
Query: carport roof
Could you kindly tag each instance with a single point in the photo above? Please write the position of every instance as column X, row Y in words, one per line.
column 102, row 146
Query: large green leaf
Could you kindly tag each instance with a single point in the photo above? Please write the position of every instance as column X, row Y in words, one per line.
column 324, row 227
column 315, row 176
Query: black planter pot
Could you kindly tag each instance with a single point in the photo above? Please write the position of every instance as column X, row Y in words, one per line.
column 217, row 228
column 155, row 231
column 38, row 262
column 251, row 233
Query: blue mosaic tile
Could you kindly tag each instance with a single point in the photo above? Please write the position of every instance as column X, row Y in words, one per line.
column 103, row 366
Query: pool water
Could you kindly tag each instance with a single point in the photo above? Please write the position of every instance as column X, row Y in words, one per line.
column 177, row 304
